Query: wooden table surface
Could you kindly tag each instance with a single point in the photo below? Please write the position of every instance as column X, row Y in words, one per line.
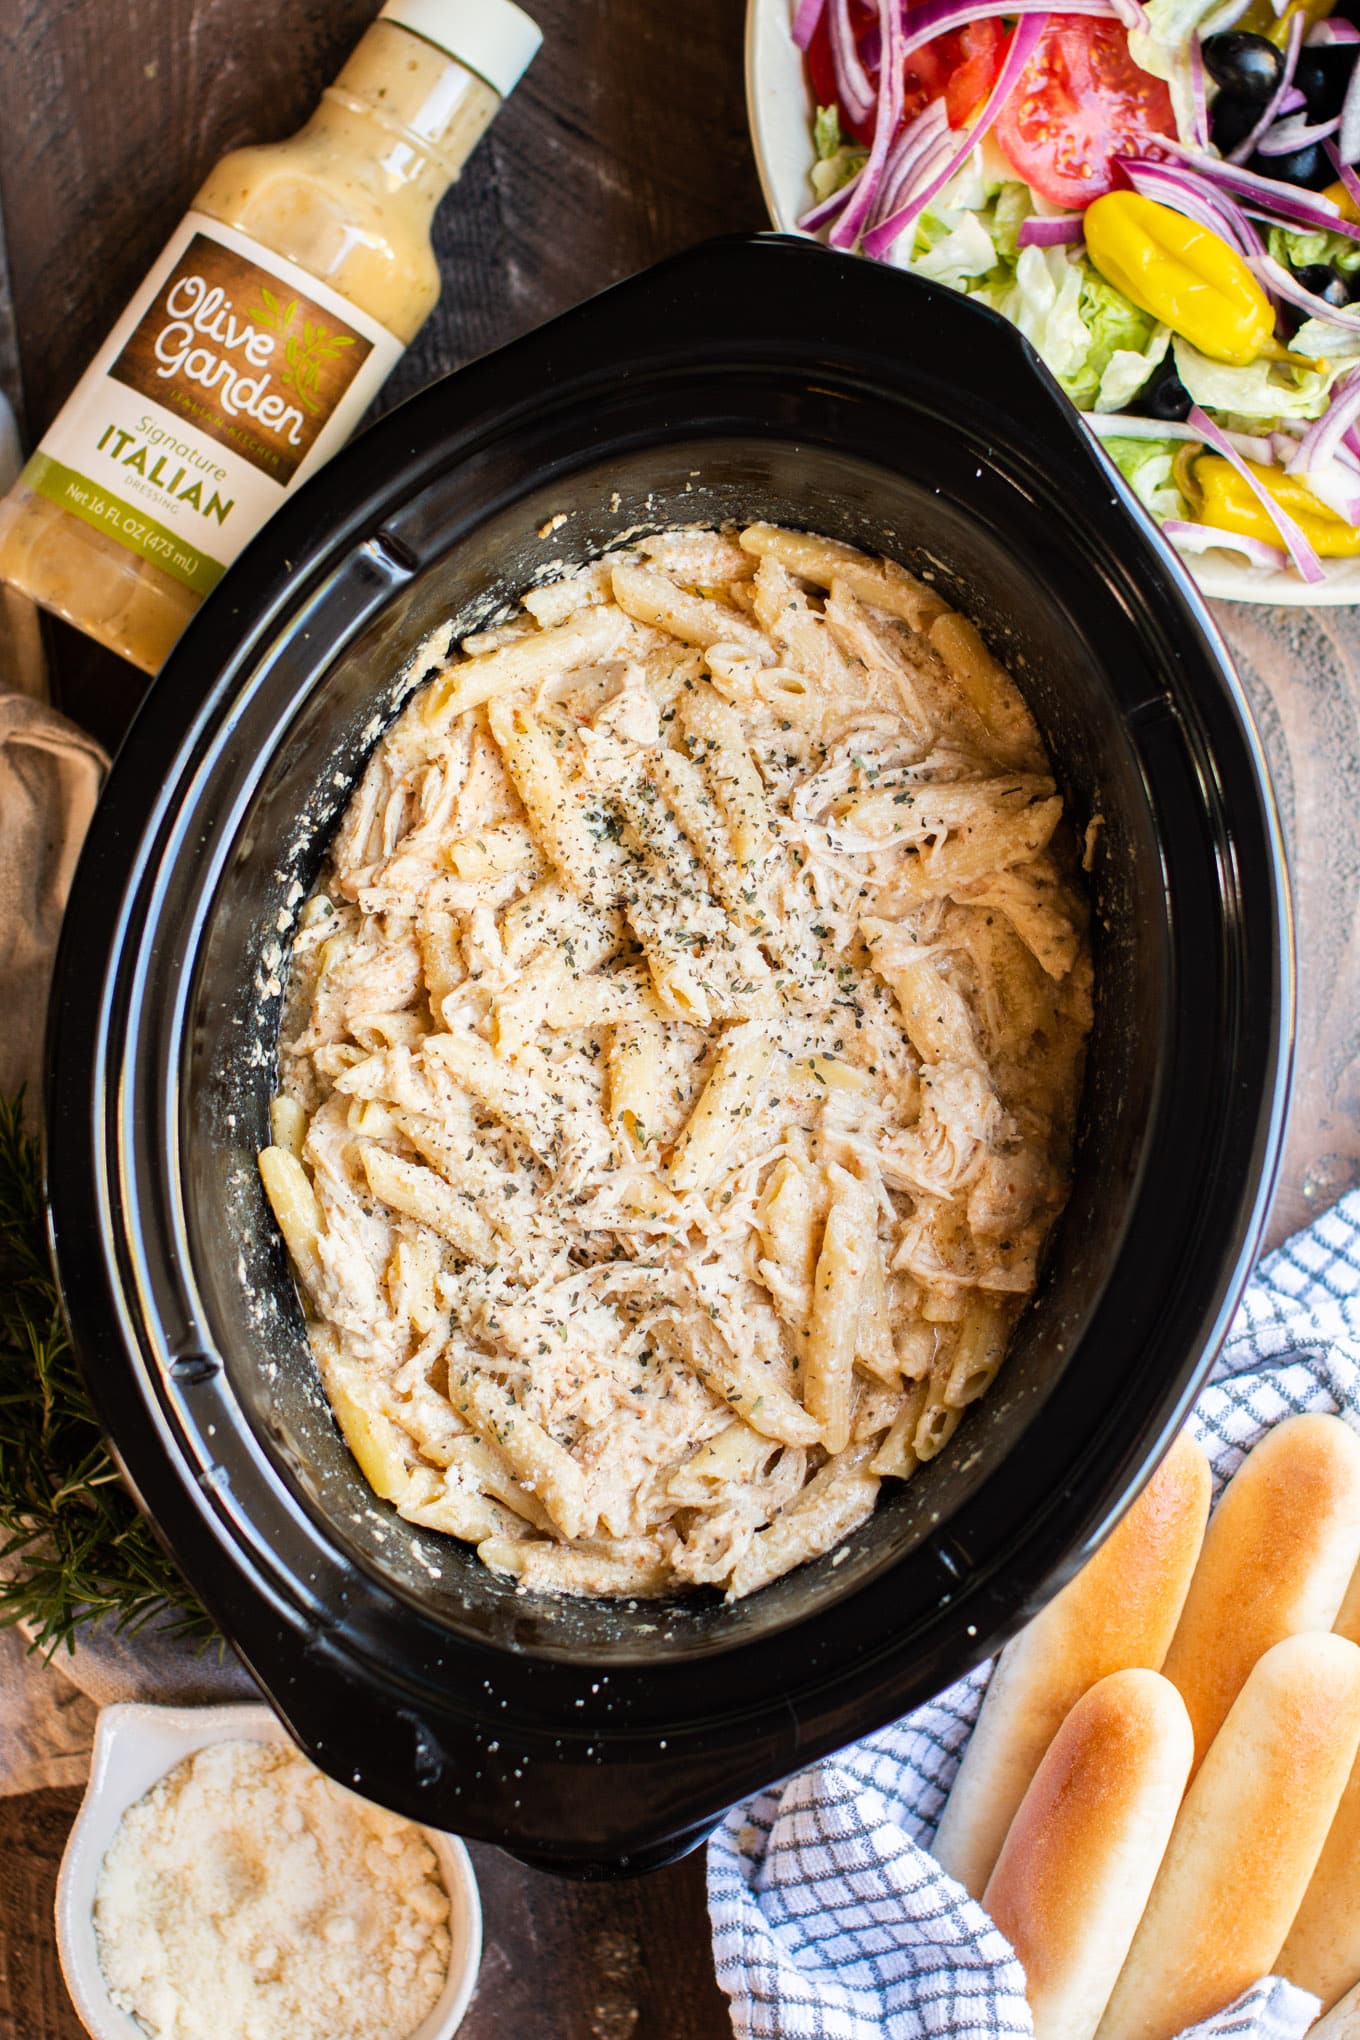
column 625, row 142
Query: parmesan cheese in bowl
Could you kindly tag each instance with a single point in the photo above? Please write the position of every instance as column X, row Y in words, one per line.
column 215, row 1882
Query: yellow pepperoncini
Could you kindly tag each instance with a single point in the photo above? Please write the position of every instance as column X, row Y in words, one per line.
column 1261, row 19
column 1183, row 275
column 1342, row 200
column 1228, row 504
column 1277, row 29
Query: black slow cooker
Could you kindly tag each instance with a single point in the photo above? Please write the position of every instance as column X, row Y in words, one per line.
column 751, row 379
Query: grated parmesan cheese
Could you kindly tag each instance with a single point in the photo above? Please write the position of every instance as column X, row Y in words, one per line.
column 246, row 1894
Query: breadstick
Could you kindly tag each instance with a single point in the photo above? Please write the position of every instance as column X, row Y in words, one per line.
column 1246, row 1842
column 1280, row 1550
column 1342, row 2022
column 1322, row 1953
column 1084, row 1850
column 1120, row 1610
column 1347, row 1622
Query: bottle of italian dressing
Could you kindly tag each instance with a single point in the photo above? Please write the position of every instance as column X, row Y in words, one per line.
column 258, row 340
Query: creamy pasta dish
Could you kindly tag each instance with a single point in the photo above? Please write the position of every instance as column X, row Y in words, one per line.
column 680, row 1063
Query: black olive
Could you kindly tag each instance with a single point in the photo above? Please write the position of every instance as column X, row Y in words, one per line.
column 1323, row 282
column 1306, row 167
column 1246, row 66
column 1231, row 121
column 1163, row 395
column 1322, row 75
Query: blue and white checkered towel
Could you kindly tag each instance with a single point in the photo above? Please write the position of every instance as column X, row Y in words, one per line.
column 830, row 1920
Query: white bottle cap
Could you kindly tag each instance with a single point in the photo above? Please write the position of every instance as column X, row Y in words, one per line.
column 494, row 38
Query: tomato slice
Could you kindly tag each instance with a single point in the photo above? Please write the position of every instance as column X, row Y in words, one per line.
column 960, row 67
column 822, row 67
column 1081, row 101
column 974, row 67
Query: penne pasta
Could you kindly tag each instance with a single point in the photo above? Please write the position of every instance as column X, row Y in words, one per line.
column 824, row 560
column 294, row 1202
column 652, row 597
column 679, row 1064
column 556, row 806
column 526, row 663
column 834, row 1502
column 731, row 1095
column 717, row 742
column 837, row 1293
column 421, row 1194
column 542, row 1467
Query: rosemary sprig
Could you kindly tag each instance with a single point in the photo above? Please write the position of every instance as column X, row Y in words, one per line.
column 74, row 1549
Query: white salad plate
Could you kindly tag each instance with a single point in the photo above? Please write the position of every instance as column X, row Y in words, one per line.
column 136, row 1745
column 779, row 107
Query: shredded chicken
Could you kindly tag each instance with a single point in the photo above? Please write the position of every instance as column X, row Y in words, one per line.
column 680, row 1065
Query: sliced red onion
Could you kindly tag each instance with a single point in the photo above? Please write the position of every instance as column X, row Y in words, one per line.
column 1352, row 441
column 1199, row 97
column 1037, row 233
column 1023, row 43
column 1296, row 545
column 1293, row 44
column 916, row 142
column 1283, row 204
column 1198, row 538
column 1117, row 425
column 1348, row 140
column 853, row 88
column 1293, row 101
column 1344, row 469
column 827, row 208
column 1344, row 172
column 1336, row 487
column 934, row 17
column 1286, row 445
column 1131, row 13
column 1320, row 442
column 805, row 21
column 1288, row 135
column 1281, row 284
column 936, row 157
column 1329, row 33
column 1175, row 186
column 850, row 224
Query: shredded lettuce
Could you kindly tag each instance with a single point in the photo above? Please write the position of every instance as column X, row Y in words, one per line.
column 1300, row 250
column 1014, row 204
column 1321, row 340
column 837, row 159
column 826, row 132
column 956, row 239
column 1101, row 348
column 1126, row 343
column 959, row 254
column 1262, row 392
column 1147, row 466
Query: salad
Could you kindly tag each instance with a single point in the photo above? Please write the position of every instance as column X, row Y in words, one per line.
column 1160, row 195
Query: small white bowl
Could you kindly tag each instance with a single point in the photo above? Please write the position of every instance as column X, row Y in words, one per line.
column 779, row 108
column 134, row 1746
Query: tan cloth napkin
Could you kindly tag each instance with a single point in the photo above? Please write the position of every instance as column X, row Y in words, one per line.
column 50, row 775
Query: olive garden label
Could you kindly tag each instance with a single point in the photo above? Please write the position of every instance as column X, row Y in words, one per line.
column 230, row 378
